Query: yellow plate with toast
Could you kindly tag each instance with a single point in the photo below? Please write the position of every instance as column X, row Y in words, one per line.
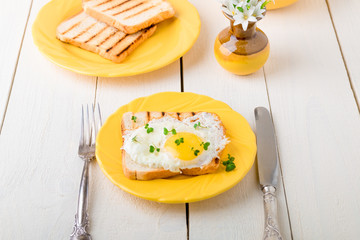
column 178, row 189
column 172, row 39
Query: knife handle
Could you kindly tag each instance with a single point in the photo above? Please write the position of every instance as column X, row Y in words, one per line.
column 271, row 231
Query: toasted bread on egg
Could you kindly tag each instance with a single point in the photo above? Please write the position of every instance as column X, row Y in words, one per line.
column 137, row 171
column 90, row 34
column 129, row 16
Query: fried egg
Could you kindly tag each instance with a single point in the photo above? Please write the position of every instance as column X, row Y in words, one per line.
column 173, row 145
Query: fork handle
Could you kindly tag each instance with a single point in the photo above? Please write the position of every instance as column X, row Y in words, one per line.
column 271, row 231
column 81, row 217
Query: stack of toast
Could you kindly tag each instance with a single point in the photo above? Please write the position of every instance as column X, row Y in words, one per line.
column 114, row 28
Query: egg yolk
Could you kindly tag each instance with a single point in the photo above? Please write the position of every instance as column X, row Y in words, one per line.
column 184, row 146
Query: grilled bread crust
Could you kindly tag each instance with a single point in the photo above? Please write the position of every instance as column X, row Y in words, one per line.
column 90, row 34
column 129, row 16
column 136, row 171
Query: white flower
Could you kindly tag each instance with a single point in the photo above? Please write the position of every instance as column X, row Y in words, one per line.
column 258, row 11
column 229, row 6
column 254, row 2
column 244, row 16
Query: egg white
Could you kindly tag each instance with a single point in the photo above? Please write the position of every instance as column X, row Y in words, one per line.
column 138, row 141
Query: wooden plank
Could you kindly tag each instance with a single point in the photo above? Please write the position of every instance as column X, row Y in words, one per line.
column 124, row 215
column 39, row 169
column 12, row 32
column 346, row 22
column 237, row 213
column 316, row 120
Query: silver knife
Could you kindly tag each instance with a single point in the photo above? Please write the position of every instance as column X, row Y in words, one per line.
column 268, row 167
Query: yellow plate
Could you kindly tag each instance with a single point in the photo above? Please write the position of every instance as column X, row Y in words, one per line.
column 179, row 189
column 279, row 4
column 172, row 39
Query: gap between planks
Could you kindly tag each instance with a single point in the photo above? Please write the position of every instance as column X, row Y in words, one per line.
column 343, row 57
column 277, row 146
column 16, row 65
column 186, row 204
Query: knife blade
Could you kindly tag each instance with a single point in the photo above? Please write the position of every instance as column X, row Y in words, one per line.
column 268, row 168
column 267, row 155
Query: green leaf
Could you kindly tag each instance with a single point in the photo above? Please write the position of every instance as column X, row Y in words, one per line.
column 206, row 145
column 264, row 4
column 230, row 167
column 133, row 118
column 146, row 126
column 166, row 131
column 240, row 9
column 178, row 141
column 134, row 139
column 152, row 149
column 196, row 152
column 173, row 131
column 149, row 130
column 158, row 149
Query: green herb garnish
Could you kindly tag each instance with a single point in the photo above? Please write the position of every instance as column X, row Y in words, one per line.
column 229, row 164
column 166, row 131
column 153, row 148
column 134, row 139
column 197, row 125
column 133, row 118
column 196, row 152
column 148, row 130
column 178, row 141
column 205, row 145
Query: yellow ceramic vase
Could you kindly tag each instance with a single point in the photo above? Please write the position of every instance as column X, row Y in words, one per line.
column 241, row 52
column 279, row 4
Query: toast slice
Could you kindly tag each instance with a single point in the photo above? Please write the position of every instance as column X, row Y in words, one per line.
column 90, row 34
column 129, row 16
column 137, row 171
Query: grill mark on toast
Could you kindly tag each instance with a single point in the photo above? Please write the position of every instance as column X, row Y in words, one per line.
column 192, row 113
column 116, row 6
column 148, row 116
column 120, row 40
column 96, row 34
column 71, row 28
column 84, row 31
column 137, row 39
column 115, row 14
column 144, row 10
column 106, row 39
column 125, row 49
column 102, row 3
column 178, row 114
column 162, row 113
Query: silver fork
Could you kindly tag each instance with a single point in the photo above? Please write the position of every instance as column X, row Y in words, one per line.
column 89, row 130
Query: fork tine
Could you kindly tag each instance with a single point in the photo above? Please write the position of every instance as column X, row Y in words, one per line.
column 99, row 114
column 89, row 128
column 82, row 127
column 93, row 125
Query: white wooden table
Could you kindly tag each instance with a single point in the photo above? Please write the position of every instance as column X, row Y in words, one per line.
column 311, row 83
